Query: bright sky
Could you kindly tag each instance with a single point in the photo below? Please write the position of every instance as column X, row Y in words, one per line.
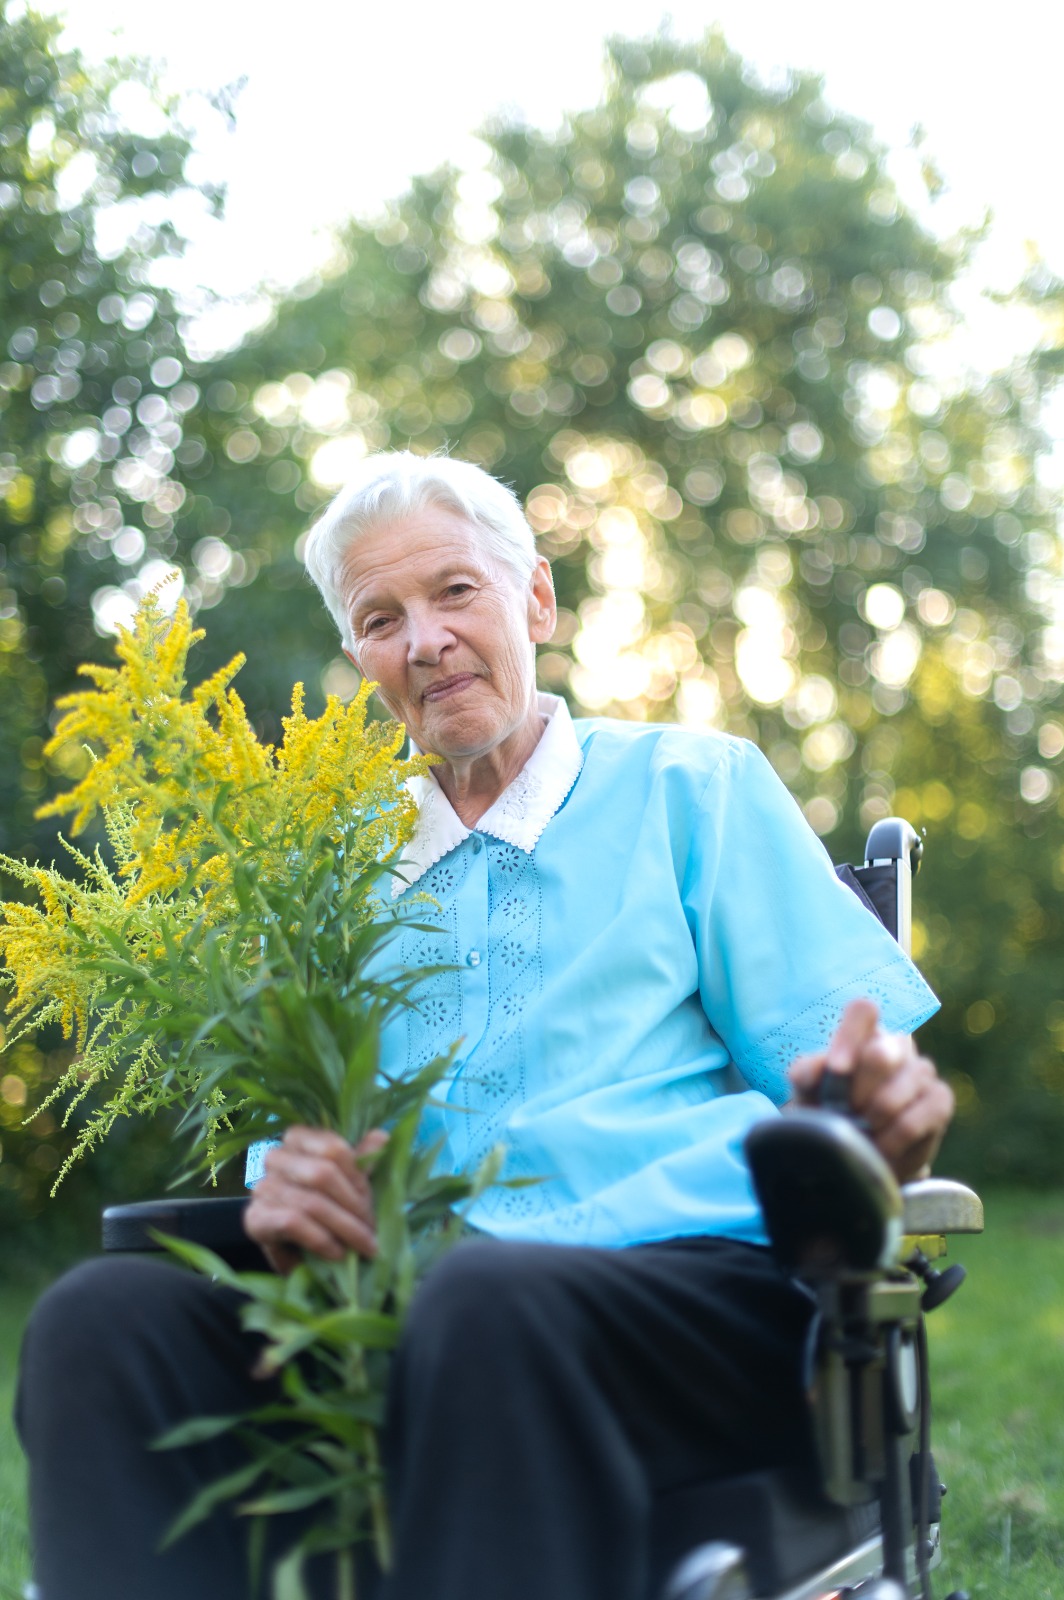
column 345, row 100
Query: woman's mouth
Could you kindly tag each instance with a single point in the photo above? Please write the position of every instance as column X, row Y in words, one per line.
column 449, row 686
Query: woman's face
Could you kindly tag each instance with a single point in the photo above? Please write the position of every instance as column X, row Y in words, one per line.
column 447, row 633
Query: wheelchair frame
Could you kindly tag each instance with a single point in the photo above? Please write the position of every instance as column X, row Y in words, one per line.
column 864, row 1250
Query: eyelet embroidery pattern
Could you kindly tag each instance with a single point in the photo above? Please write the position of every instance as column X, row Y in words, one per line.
column 765, row 1066
column 511, row 911
column 542, row 1197
column 577, row 1220
column 494, row 1083
column 522, row 793
column 512, row 954
column 505, row 859
column 430, row 844
column 435, row 1022
column 444, row 877
column 522, row 812
column 438, row 1010
column 518, row 1204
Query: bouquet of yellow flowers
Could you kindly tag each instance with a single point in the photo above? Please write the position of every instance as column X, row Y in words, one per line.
column 230, row 962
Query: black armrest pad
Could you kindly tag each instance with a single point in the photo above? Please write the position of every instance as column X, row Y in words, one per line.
column 217, row 1222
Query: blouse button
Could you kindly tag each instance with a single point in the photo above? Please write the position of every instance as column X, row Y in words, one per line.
column 473, row 958
column 476, row 843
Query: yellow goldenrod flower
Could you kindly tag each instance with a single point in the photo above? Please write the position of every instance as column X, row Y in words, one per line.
column 205, row 824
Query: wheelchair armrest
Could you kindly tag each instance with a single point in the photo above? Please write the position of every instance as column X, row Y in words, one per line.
column 939, row 1205
column 828, row 1197
column 216, row 1221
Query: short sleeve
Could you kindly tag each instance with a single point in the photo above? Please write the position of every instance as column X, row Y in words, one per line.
column 255, row 1164
column 782, row 945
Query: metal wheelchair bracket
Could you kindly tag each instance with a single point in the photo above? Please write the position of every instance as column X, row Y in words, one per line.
column 939, row 1205
column 859, row 1565
column 714, row 1571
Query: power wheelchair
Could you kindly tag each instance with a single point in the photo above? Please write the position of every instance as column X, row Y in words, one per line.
column 864, row 1249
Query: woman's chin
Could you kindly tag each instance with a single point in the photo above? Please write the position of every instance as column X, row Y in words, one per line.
column 459, row 734
column 455, row 734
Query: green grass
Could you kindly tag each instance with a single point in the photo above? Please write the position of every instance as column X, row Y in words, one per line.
column 15, row 1303
column 997, row 1352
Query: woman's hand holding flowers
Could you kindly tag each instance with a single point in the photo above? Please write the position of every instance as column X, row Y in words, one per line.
column 315, row 1196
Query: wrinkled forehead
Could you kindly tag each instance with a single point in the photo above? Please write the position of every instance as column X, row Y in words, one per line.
column 414, row 553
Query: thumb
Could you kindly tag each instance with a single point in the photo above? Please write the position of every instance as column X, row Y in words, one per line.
column 371, row 1143
column 857, row 1026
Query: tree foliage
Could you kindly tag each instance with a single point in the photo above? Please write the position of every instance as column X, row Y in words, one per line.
column 700, row 333
column 91, row 394
column 90, row 391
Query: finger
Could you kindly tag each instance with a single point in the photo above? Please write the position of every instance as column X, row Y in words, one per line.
column 311, row 1221
column 283, row 1258
column 288, row 1234
column 371, row 1144
column 322, row 1143
column 857, row 1025
column 321, row 1175
column 887, row 1057
column 805, row 1072
column 882, row 1091
column 911, row 1140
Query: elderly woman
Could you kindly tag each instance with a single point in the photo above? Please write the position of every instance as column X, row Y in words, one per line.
column 644, row 936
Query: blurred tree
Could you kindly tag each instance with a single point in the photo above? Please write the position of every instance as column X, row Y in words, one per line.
column 90, row 374
column 700, row 333
column 91, row 396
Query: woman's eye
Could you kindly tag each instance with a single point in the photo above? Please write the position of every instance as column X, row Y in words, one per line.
column 374, row 624
column 457, row 590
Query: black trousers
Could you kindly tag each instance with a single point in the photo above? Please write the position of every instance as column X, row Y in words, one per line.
column 544, row 1400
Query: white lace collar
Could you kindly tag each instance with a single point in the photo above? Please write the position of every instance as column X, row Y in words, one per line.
column 518, row 816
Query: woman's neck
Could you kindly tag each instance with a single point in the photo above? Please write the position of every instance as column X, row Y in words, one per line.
column 473, row 786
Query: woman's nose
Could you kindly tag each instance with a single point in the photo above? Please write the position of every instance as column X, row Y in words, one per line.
column 428, row 636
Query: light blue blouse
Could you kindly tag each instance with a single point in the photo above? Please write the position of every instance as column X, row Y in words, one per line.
column 631, row 985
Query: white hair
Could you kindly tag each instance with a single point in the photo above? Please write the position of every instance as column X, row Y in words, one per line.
column 392, row 485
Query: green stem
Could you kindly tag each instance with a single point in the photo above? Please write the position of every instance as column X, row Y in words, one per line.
column 237, row 861
column 357, row 1384
column 345, row 1575
column 378, row 1506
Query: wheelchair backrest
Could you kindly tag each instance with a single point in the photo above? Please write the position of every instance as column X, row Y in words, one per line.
column 884, row 882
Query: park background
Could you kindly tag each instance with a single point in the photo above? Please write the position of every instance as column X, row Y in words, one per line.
column 779, row 396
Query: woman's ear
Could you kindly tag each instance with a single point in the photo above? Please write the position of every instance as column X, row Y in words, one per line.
column 542, row 606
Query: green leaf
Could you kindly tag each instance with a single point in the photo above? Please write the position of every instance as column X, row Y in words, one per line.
column 337, row 1458
column 196, row 1431
column 340, row 1329
column 372, row 1330
column 198, row 1256
column 212, row 1495
column 288, row 1576
column 282, row 1500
